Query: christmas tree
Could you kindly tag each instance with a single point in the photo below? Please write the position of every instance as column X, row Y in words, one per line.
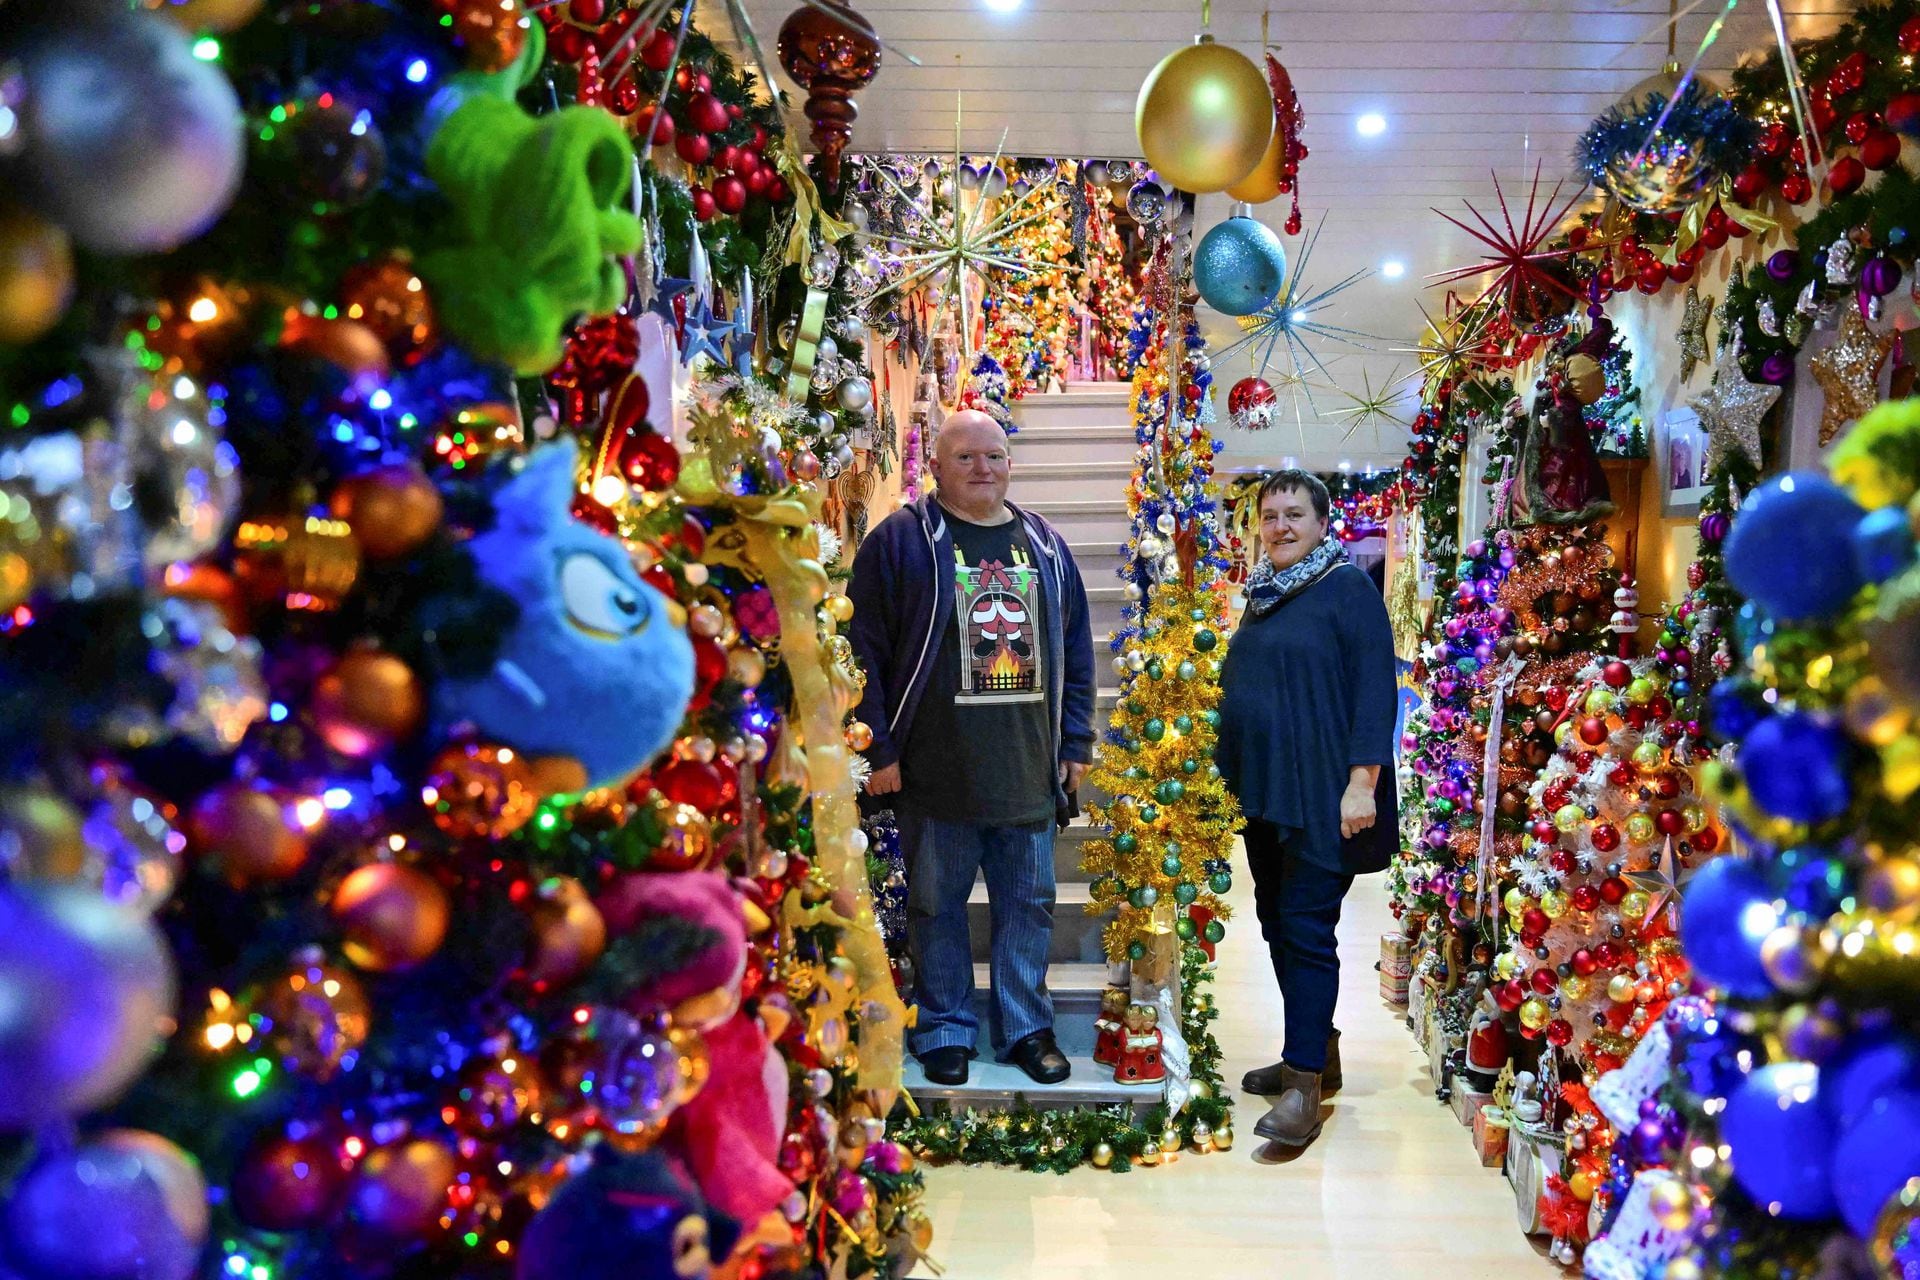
column 1030, row 313
column 425, row 855
column 1107, row 291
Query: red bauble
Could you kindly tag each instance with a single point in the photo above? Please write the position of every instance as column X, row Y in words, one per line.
column 1681, row 272
column 760, row 139
column 777, row 190
column 730, row 195
column 707, row 113
column 1509, row 995
column 1880, row 150
column 693, row 783
column 623, row 97
column 1738, row 230
column 1858, row 125
column 1902, row 112
column 567, row 43
column 703, row 204
column 660, row 579
column 1584, row 962
column 649, row 460
column 1544, row 832
column 657, row 52
column 1713, row 237
column 709, row 668
column 1559, row 1032
column 1612, row 889
column 1586, row 898
column 1910, row 36
column 1796, row 189
column 1706, row 840
column 287, row 1184
column 1621, row 774
column 1846, row 175
column 588, row 13
column 1606, row 837
column 651, row 117
column 1593, row 731
column 1667, row 786
column 1562, row 861
column 1535, row 921
column 728, row 159
column 1650, row 280
column 694, row 148
column 759, row 178
column 1556, row 697
column 1545, row 981
column 1669, row 822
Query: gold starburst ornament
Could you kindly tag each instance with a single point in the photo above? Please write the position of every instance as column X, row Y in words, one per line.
column 1849, row 373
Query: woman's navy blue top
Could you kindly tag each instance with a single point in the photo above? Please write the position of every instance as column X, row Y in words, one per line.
column 1308, row 692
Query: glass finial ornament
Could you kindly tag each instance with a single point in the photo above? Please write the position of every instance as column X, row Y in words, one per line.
column 1240, row 265
column 1146, row 202
column 1666, row 143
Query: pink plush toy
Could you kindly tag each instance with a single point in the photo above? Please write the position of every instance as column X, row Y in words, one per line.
column 730, row 1131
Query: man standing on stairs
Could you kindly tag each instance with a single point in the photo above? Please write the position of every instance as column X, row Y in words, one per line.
column 970, row 620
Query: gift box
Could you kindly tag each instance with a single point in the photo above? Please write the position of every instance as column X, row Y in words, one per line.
column 1396, row 956
column 1490, row 1136
column 1393, row 989
column 1534, row 1154
column 1467, row 1102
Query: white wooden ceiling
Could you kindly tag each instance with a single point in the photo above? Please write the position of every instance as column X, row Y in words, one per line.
column 1469, row 88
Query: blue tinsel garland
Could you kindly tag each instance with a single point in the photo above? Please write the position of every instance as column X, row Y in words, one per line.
column 1704, row 130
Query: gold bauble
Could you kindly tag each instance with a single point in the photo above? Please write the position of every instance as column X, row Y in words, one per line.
column 36, row 275
column 197, row 16
column 478, row 790
column 1263, row 184
column 1102, row 1156
column 859, row 735
column 367, row 701
column 1150, row 1154
column 1671, row 1201
column 1635, row 905
column 399, row 1191
column 1873, row 713
column 39, row 836
column 1169, row 1140
column 746, row 666
column 391, row 509
column 1223, row 1138
column 1683, row 1269
column 247, row 834
column 391, row 917
column 1204, row 116
column 839, row 608
column 1620, row 988
column 1892, row 887
column 568, row 932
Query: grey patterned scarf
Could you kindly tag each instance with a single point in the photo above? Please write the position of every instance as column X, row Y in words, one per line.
column 1268, row 588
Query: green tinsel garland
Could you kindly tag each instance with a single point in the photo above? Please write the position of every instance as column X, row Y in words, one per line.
column 1056, row 1141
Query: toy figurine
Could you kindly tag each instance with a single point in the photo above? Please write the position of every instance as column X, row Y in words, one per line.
column 1111, row 1026
column 1140, row 1057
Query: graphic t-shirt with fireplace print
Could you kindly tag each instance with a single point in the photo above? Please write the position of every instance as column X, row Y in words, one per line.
column 978, row 751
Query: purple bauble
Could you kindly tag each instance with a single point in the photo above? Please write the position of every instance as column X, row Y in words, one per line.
column 123, row 1203
column 1476, row 548
column 1880, row 277
column 1783, row 264
column 1777, row 368
column 1714, row 526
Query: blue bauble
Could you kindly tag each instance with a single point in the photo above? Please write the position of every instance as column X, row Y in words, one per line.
column 1782, row 1139
column 1882, row 544
column 1726, row 914
column 1795, row 764
column 1734, row 708
column 1239, row 266
column 1791, row 548
column 627, row 1215
column 1812, row 881
column 1873, row 1067
column 124, row 1205
column 1875, row 1158
column 1706, row 1058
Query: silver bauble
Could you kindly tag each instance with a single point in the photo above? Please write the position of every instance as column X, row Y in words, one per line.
column 855, row 395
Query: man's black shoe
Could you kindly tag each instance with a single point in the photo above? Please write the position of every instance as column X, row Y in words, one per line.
column 1040, row 1057
column 945, row 1065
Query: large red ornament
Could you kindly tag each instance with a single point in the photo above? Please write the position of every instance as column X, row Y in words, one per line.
column 1250, row 404
column 1846, row 175
column 287, row 1184
column 832, row 58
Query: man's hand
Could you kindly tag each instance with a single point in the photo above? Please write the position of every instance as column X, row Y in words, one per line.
column 1071, row 772
column 1356, row 810
column 884, row 780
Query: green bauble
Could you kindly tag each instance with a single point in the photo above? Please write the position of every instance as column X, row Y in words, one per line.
column 1184, row 894
column 1213, row 773
column 1136, row 951
column 1183, row 723
column 1172, row 848
column 1442, row 806
column 1215, row 931
column 1155, row 669
column 1125, row 843
column 1139, row 896
column 1211, row 716
column 1183, row 928
column 1197, row 615
column 1186, row 670
column 1170, row 791
column 1220, row 881
column 1156, row 729
column 1170, row 865
column 1149, row 814
column 1135, row 707
column 1189, row 767
column 1204, row 640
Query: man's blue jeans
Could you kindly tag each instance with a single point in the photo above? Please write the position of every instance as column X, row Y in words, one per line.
column 942, row 859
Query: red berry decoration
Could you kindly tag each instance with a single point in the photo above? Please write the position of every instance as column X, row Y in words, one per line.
column 730, row 195
column 694, row 148
column 707, row 113
column 1846, row 175
column 657, row 52
column 1880, row 150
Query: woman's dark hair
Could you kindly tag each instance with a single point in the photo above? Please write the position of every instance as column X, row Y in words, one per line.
column 1291, row 479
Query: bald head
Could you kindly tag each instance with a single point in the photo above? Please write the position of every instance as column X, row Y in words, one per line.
column 972, row 467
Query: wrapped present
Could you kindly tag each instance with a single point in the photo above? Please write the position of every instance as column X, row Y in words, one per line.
column 1467, row 1102
column 1393, row 989
column 1490, row 1124
column 1396, row 956
column 1535, row 1152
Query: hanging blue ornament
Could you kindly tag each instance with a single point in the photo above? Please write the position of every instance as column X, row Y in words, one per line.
column 1874, row 1066
column 1726, row 914
column 1734, row 708
column 1239, row 266
column 1882, row 544
column 1812, row 881
column 1782, row 1139
column 1795, row 764
column 1875, row 1157
column 704, row 334
column 1791, row 548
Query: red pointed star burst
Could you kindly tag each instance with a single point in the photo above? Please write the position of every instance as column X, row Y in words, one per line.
column 1530, row 285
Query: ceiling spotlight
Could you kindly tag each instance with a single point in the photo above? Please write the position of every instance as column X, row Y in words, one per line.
column 1371, row 125
column 1393, row 269
column 1002, row 6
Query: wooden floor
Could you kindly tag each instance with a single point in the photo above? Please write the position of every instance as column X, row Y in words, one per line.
column 1390, row 1189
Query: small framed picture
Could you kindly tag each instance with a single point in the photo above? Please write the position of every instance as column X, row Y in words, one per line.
column 1683, row 463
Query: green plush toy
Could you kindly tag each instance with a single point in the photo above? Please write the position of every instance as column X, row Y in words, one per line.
column 540, row 218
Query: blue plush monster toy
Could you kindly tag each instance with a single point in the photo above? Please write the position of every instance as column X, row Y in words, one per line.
column 595, row 668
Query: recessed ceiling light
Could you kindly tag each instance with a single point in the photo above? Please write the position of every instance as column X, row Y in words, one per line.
column 1371, row 125
column 1002, row 6
column 1393, row 268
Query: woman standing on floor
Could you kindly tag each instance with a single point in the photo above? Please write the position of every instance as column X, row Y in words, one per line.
column 1308, row 693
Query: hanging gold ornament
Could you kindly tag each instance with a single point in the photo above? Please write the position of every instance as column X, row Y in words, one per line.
column 1693, row 331
column 1204, row 116
column 1849, row 373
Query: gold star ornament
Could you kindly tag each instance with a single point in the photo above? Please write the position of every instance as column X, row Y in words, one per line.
column 1693, row 331
column 1731, row 409
column 1849, row 373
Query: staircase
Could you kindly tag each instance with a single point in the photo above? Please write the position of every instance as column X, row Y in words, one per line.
column 1072, row 457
